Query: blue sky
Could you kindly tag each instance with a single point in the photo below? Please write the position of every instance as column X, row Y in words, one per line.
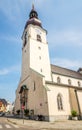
column 63, row 21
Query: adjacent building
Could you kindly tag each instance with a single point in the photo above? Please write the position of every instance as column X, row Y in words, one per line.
column 10, row 107
column 3, row 105
column 6, row 106
column 45, row 89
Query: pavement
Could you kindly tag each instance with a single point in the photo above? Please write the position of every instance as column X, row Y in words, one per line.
column 41, row 125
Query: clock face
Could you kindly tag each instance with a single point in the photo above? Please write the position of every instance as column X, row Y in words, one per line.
column 38, row 31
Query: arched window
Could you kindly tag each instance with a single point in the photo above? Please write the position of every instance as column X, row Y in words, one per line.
column 25, row 38
column 58, row 80
column 69, row 81
column 59, row 102
column 39, row 38
column 79, row 84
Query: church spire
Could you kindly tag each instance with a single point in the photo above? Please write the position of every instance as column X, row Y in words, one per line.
column 33, row 18
column 33, row 13
column 32, row 6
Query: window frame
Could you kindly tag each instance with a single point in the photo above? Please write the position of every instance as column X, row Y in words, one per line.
column 60, row 102
column 58, row 80
column 69, row 82
column 39, row 38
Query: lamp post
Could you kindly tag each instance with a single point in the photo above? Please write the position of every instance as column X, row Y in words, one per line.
column 78, row 103
column 23, row 113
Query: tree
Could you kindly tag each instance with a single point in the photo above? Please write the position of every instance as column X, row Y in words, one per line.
column 74, row 113
column 26, row 112
column 18, row 112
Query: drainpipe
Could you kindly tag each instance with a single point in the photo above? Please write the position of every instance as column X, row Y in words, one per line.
column 78, row 103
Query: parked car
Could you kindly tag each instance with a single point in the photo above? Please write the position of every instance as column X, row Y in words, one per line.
column 2, row 113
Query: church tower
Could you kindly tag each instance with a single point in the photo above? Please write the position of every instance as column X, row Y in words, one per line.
column 37, row 92
column 35, row 53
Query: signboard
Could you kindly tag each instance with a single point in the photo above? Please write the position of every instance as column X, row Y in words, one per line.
column 22, row 107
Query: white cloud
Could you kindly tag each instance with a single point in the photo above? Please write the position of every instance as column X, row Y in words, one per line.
column 71, row 64
column 6, row 71
column 70, row 37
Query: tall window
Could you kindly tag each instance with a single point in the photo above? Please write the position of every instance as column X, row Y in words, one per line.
column 79, row 84
column 39, row 38
column 34, row 86
column 59, row 102
column 69, row 81
column 58, row 80
column 25, row 38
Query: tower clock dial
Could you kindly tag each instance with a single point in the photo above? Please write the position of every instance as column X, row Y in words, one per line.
column 38, row 31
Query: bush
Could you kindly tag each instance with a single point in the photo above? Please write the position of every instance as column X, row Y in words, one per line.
column 26, row 112
column 74, row 113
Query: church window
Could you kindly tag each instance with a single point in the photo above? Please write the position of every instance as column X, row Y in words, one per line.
column 39, row 38
column 58, row 80
column 41, row 70
column 69, row 81
column 59, row 102
column 39, row 48
column 33, row 14
column 25, row 38
column 79, row 84
column 40, row 57
column 34, row 86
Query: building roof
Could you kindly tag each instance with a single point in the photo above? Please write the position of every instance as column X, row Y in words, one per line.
column 65, row 72
column 80, row 70
column 33, row 18
column 3, row 101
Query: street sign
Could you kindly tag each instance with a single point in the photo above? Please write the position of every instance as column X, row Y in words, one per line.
column 22, row 107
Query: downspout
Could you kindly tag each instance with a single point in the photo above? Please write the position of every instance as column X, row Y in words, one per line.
column 78, row 104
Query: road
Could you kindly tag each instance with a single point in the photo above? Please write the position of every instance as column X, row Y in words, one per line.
column 5, row 125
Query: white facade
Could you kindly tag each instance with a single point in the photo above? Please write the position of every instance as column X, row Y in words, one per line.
column 9, row 107
column 65, row 80
column 50, row 90
column 36, row 52
column 52, row 101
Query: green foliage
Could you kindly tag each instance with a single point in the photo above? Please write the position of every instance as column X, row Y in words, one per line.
column 18, row 112
column 74, row 113
column 26, row 112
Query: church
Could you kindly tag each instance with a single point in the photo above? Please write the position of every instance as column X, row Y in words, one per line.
column 45, row 89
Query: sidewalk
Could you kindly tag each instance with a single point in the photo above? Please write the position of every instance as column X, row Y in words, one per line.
column 57, row 125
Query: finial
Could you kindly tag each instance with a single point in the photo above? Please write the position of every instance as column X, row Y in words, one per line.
column 33, row 6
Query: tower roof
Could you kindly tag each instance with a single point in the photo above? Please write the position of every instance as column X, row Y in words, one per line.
column 33, row 13
column 33, row 18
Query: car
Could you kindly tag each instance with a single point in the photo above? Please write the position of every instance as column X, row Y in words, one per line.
column 2, row 113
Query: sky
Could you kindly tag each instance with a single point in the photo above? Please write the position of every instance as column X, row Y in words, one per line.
column 63, row 21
